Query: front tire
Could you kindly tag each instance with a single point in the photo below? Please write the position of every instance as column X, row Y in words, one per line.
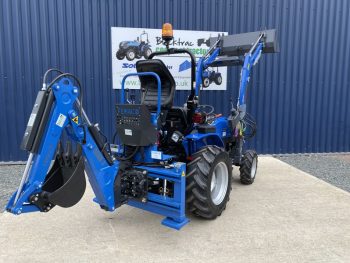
column 206, row 82
column 208, row 182
column 248, row 168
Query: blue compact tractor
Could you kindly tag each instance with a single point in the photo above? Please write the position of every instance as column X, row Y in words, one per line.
column 210, row 76
column 171, row 160
column 135, row 49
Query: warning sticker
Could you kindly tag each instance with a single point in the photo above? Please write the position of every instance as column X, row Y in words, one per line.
column 31, row 119
column 183, row 173
column 128, row 132
column 156, row 155
column 76, row 119
column 61, row 120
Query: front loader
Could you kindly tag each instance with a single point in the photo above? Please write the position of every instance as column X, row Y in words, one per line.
column 170, row 160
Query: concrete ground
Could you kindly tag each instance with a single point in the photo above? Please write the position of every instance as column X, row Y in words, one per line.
column 285, row 216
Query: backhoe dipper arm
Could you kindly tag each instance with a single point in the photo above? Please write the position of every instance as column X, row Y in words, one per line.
column 39, row 189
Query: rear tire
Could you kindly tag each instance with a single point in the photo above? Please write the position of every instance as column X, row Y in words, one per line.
column 130, row 55
column 208, row 182
column 218, row 80
column 248, row 168
column 120, row 56
column 147, row 53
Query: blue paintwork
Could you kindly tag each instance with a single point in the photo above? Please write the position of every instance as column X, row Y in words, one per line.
column 195, row 141
column 184, row 66
column 173, row 208
column 41, row 161
column 249, row 61
column 132, row 43
column 101, row 175
column 205, row 74
column 202, row 65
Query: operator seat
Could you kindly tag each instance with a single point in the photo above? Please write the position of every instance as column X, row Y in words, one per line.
column 149, row 84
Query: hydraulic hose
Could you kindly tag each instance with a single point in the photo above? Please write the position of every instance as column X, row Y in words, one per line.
column 47, row 73
column 129, row 156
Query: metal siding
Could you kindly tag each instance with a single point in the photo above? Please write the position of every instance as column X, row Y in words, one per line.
column 299, row 96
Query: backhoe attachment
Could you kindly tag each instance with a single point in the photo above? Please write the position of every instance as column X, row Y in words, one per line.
column 54, row 175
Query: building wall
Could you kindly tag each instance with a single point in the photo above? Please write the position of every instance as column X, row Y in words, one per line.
column 299, row 97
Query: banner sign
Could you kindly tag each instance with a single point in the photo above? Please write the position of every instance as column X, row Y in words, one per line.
column 132, row 44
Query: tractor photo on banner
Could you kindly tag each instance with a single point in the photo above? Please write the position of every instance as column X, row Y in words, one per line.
column 132, row 44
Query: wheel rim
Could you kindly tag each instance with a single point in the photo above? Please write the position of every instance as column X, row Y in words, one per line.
column 253, row 170
column 219, row 181
column 149, row 52
column 219, row 80
column 131, row 55
column 206, row 82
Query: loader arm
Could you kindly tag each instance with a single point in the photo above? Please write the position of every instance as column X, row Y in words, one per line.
column 212, row 58
column 250, row 59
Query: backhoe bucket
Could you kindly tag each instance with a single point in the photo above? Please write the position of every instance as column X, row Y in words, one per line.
column 65, row 182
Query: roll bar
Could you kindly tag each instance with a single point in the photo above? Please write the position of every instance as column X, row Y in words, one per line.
column 171, row 51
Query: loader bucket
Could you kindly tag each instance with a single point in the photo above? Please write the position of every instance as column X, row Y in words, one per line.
column 65, row 183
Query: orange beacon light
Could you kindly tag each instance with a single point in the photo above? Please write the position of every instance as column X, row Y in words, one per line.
column 167, row 32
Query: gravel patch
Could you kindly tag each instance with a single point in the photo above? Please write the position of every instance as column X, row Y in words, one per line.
column 332, row 168
column 10, row 176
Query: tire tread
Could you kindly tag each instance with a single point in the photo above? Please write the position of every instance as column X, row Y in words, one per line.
column 197, row 183
column 246, row 166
